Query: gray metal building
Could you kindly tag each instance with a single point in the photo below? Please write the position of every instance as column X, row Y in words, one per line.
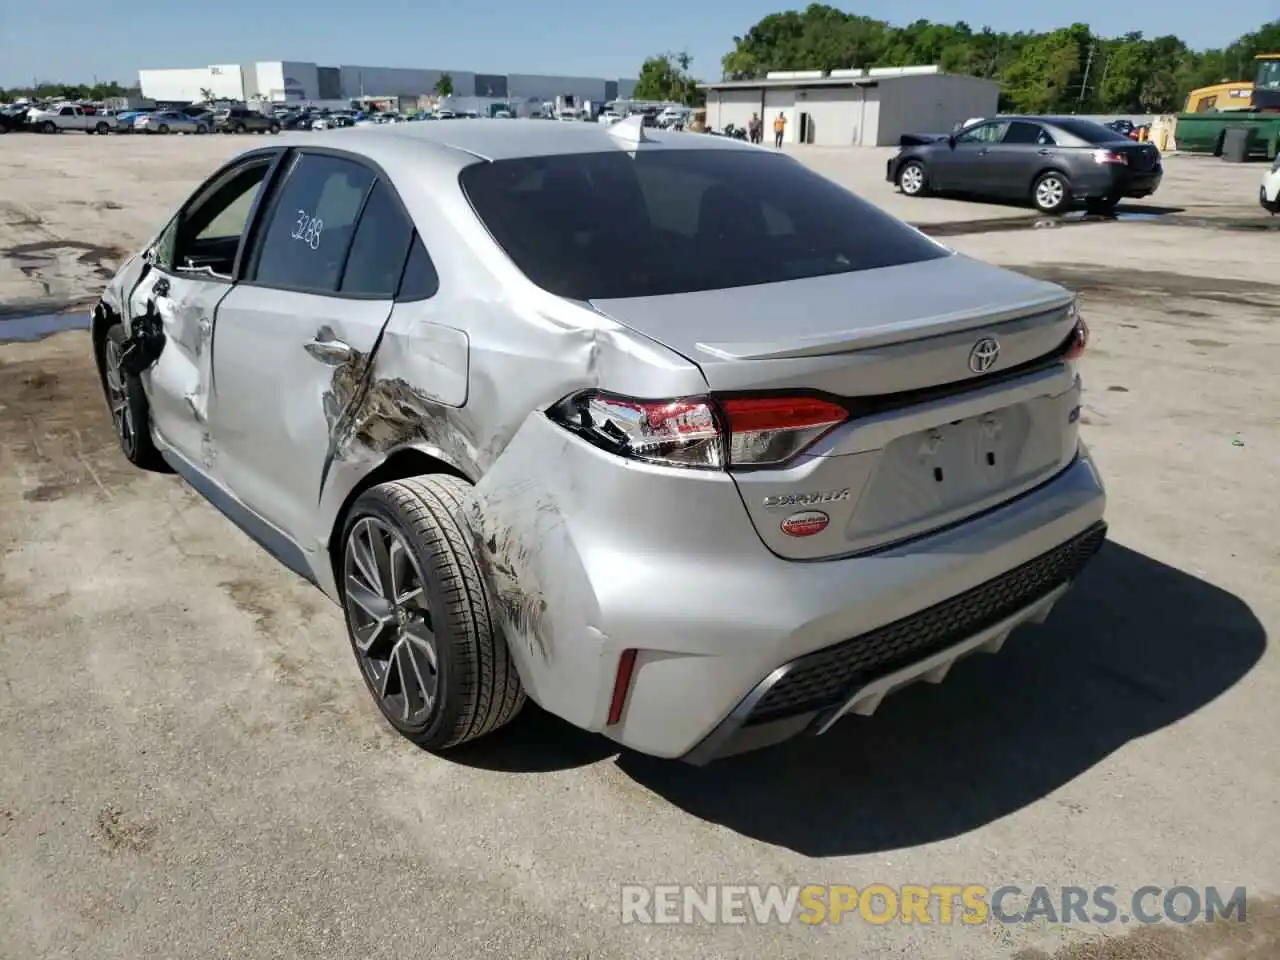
column 864, row 108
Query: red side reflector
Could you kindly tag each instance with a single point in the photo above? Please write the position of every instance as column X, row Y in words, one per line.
column 747, row 414
column 621, row 685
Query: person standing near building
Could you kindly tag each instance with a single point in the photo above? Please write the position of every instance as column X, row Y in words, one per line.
column 753, row 128
column 779, row 128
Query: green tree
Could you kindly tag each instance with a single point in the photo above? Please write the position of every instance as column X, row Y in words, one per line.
column 1038, row 71
column 667, row 77
column 444, row 85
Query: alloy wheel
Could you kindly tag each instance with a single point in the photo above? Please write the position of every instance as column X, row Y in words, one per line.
column 390, row 621
column 118, row 398
column 1049, row 193
column 912, row 179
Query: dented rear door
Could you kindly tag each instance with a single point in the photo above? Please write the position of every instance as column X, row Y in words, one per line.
column 294, row 341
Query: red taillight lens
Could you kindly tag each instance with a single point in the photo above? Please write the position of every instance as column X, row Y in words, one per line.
column 679, row 433
column 1109, row 156
column 771, row 430
column 1079, row 340
column 698, row 431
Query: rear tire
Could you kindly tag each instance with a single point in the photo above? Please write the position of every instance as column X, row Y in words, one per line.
column 48, row 127
column 1051, row 192
column 238, row 128
column 127, row 402
column 102, row 129
column 201, row 129
column 417, row 607
column 275, row 128
column 913, row 181
column 163, row 128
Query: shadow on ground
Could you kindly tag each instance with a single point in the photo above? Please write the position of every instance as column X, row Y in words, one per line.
column 1136, row 646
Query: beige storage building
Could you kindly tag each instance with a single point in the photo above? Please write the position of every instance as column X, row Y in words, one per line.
column 864, row 108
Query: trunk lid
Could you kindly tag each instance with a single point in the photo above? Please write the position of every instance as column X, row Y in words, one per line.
column 932, row 438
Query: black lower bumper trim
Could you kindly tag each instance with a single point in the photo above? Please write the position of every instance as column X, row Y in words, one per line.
column 785, row 703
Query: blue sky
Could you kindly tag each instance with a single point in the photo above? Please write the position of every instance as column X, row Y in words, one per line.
column 600, row 38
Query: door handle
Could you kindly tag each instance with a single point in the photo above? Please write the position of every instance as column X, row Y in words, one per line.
column 1043, row 153
column 982, row 152
column 328, row 350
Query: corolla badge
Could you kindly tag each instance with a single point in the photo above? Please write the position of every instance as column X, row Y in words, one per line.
column 806, row 499
column 984, row 354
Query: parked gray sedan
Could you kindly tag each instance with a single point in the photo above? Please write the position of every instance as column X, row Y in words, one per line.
column 170, row 121
column 683, row 441
column 1053, row 162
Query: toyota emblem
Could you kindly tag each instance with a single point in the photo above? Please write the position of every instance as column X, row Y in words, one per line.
column 984, row 354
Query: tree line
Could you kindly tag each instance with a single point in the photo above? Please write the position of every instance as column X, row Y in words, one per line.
column 1068, row 70
column 67, row 91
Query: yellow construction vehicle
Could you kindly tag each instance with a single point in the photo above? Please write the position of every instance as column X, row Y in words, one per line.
column 1262, row 94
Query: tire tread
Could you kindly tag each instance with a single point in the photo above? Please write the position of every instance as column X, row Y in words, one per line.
column 485, row 676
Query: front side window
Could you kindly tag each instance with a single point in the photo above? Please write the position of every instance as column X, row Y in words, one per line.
column 611, row 225
column 984, row 133
column 1268, row 75
column 313, row 223
column 208, row 233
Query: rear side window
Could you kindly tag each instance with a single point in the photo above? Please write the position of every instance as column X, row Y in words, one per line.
column 612, row 225
column 1089, row 131
column 1020, row 131
column 380, row 247
column 312, row 224
column 420, row 280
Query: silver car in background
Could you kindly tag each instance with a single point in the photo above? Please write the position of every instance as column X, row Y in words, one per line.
column 668, row 433
column 171, row 121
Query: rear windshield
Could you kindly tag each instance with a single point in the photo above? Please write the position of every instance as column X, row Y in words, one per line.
column 600, row 226
column 1089, row 131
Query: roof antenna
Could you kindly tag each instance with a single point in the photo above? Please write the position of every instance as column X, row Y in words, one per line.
column 630, row 130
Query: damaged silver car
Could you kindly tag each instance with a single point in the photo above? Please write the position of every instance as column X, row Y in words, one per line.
column 683, row 441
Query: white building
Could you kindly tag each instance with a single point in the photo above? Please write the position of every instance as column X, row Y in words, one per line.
column 284, row 80
column 864, row 108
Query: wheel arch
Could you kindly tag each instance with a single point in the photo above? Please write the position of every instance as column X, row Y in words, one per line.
column 1042, row 172
column 906, row 161
column 398, row 465
column 102, row 319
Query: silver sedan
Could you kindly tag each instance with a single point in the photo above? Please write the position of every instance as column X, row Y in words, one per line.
column 670, row 434
column 170, row 121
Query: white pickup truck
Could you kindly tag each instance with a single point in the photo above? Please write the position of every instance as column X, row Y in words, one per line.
column 66, row 116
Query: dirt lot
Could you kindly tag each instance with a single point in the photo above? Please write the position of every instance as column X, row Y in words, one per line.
column 189, row 762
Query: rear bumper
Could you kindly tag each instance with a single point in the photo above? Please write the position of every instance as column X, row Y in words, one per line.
column 1117, row 181
column 599, row 557
column 809, row 694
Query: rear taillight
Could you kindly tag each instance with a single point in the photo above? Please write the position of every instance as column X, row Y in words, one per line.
column 700, row 432
column 1109, row 156
column 771, row 430
column 1079, row 339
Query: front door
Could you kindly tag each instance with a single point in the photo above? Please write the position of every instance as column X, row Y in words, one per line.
column 188, row 273
column 968, row 167
column 293, row 341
